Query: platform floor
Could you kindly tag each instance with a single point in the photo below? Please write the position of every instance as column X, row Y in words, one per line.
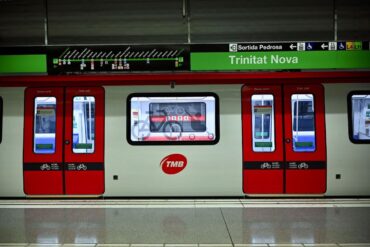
column 186, row 223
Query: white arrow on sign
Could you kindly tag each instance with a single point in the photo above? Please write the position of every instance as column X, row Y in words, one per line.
column 292, row 46
column 323, row 46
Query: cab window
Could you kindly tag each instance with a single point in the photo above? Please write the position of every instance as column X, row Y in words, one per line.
column 359, row 117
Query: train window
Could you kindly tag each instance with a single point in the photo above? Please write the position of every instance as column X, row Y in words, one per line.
column 83, row 124
column 169, row 118
column 263, row 123
column 44, row 125
column 303, row 121
column 360, row 117
column 1, row 119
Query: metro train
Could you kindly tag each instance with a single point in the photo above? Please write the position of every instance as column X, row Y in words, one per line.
column 185, row 135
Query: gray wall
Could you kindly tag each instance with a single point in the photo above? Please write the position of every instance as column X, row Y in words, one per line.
column 39, row 22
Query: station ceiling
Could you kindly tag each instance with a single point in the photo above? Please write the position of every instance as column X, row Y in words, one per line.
column 53, row 22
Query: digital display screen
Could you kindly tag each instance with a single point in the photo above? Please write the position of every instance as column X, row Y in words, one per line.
column 168, row 119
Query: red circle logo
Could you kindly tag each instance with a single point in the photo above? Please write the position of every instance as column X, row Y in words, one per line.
column 173, row 163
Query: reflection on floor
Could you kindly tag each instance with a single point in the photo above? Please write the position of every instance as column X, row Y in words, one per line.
column 186, row 245
column 186, row 223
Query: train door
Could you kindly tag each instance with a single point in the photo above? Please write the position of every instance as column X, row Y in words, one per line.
column 63, row 149
column 284, row 149
column 305, row 144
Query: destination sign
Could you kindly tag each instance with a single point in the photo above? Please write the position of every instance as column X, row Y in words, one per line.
column 230, row 61
column 280, row 56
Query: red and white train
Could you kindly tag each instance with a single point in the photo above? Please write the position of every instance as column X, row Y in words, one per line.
column 186, row 135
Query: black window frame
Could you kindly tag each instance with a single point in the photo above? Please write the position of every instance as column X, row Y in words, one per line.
column 349, row 111
column 180, row 94
column 1, row 119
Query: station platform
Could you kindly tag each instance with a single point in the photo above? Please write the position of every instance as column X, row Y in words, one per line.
column 186, row 223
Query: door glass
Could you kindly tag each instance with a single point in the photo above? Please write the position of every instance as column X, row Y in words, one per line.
column 83, row 124
column 303, row 122
column 44, row 125
column 263, row 123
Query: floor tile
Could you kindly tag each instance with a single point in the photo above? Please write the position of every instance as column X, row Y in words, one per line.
column 285, row 245
column 174, row 225
column 297, row 225
column 210, row 227
column 147, row 245
column 181, row 245
column 321, row 245
column 215, row 245
column 113, row 245
column 251, row 245
column 355, row 245
column 12, row 245
column 45, row 245
column 79, row 245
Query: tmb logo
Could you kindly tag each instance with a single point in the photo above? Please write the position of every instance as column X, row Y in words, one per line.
column 173, row 163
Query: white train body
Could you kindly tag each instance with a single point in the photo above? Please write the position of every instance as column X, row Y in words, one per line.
column 211, row 170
